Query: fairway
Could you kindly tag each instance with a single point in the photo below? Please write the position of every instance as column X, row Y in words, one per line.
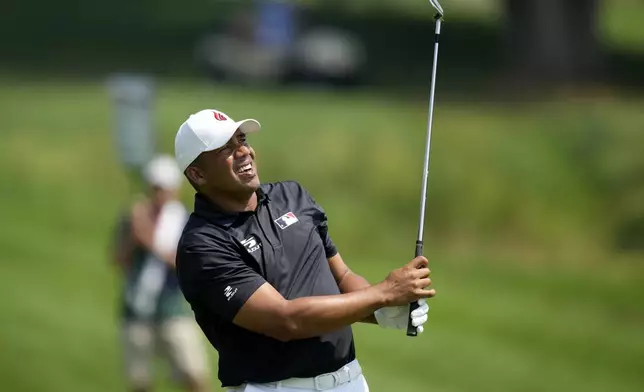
column 530, row 295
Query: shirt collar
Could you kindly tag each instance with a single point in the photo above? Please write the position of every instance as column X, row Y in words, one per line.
column 212, row 212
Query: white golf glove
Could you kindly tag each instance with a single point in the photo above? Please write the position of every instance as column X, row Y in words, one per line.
column 396, row 317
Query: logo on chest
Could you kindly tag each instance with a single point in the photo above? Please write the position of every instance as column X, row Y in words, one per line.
column 286, row 220
column 250, row 244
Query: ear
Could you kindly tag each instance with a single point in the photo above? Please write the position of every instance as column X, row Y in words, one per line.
column 195, row 175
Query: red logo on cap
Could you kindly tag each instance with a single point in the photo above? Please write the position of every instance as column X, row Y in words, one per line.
column 219, row 116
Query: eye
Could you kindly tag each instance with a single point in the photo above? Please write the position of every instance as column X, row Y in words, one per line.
column 226, row 150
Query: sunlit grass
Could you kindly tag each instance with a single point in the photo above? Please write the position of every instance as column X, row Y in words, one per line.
column 512, row 215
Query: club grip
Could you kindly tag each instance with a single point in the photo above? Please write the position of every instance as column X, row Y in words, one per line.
column 411, row 330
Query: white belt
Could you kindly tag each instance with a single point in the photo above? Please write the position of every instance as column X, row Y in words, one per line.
column 324, row 381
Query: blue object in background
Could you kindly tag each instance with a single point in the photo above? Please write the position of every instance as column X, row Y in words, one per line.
column 276, row 23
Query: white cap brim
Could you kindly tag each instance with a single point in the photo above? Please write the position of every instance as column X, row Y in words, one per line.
column 248, row 125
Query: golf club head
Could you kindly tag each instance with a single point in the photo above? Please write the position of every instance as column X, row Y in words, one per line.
column 437, row 6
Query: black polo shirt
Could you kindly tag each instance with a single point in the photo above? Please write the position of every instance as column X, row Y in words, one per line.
column 223, row 258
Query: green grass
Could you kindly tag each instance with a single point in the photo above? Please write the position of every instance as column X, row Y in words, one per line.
column 531, row 295
column 620, row 22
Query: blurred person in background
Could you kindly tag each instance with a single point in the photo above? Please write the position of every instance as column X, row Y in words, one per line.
column 153, row 308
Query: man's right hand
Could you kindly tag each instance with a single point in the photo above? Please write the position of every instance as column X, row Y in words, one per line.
column 267, row 312
column 408, row 283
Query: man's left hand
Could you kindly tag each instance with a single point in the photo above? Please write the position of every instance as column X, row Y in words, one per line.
column 396, row 317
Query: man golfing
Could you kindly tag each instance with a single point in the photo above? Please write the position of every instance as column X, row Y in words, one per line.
column 265, row 281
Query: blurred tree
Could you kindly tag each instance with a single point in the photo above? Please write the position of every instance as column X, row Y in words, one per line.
column 553, row 40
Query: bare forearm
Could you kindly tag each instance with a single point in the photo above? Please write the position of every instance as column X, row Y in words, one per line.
column 268, row 313
column 144, row 238
column 313, row 316
column 352, row 282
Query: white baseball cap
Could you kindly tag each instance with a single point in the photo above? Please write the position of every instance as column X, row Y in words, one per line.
column 207, row 130
column 162, row 171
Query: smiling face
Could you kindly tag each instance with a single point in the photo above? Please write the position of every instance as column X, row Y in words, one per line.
column 229, row 170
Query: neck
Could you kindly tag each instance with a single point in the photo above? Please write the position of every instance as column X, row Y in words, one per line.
column 233, row 203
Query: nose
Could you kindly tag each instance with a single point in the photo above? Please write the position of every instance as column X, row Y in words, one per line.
column 242, row 151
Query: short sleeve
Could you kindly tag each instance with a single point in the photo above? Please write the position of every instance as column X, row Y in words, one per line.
column 321, row 220
column 213, row 275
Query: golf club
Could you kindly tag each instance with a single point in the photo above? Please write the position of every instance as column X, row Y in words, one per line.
column 411, row 330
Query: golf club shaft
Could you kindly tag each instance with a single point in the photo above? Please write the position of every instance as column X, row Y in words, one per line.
column 411, row 330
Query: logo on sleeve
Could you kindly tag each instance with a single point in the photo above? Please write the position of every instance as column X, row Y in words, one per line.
column 229, row 292
column 286, row 220
column 250, row 244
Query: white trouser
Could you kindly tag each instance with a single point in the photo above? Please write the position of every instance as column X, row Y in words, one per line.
column 347, row 379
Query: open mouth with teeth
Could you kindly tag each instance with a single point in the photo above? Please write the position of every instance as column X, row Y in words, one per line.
column 245, row 169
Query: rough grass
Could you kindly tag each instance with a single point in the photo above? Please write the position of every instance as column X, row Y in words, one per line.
column 531, row 296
